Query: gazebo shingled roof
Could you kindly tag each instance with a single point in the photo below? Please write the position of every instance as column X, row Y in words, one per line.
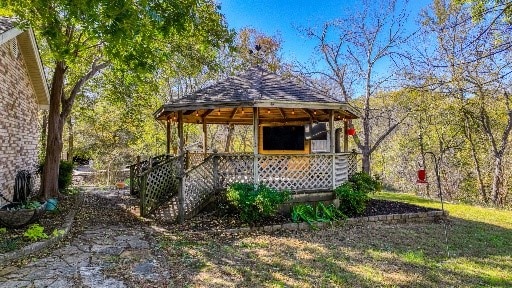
column 283, row 99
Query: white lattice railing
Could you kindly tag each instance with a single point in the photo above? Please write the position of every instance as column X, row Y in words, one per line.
column 296, row 172
column 158, row 184
column 198, row 184
column 314, row 172
column 293, row 172
column 235, row 168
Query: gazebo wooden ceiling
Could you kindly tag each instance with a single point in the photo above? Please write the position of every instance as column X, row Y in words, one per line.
column 234, row 100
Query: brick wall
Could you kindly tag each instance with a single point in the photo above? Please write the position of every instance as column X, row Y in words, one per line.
column 19, row 128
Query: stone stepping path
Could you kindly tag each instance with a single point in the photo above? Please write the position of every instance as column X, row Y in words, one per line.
column 88, row 258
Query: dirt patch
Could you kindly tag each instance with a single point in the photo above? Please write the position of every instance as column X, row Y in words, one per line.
column 383, row 207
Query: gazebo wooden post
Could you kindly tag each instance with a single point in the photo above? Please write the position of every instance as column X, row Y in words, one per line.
column 181, row 198
column 168, row 132
column 205, row 138
column 332, row 147
column 255, row 124
column 345, row 136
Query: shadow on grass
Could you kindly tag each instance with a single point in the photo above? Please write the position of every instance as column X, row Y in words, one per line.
column 456, row 253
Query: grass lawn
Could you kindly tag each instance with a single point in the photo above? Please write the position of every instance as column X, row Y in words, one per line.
column 472, row 249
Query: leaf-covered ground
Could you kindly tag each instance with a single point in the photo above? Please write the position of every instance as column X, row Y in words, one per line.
column 471, row 249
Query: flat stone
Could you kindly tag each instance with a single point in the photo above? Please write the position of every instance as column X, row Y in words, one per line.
column 138, row 244
column 16, row 284
column 373, row 218
column 144, row 269
column 290, row 226
column 79, row 260
column 303, row 226
column 276, row 227
column 107, row 249
column 267, row 228
column 8, row 270
column 92, row 277
column 59, row 283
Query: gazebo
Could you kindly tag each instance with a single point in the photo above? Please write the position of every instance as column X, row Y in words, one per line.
column 295, row 143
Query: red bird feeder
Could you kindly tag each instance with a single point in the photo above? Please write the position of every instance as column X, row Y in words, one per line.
column 422, row 176
column 351, row 131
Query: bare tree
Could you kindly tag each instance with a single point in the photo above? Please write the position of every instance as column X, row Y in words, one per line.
column 471, row 64
column 355, row 49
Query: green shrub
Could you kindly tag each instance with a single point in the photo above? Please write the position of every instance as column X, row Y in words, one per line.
column 353, row 194
column 352, row 201
column 320, row 213
column 365, row 183
column 35, row 232
column 255, row 202
column 65, row 174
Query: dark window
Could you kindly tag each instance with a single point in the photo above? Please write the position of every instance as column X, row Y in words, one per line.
column 283, row 138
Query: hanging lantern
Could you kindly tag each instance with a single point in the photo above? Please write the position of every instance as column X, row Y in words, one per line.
column 351, row 131
column 422, row 176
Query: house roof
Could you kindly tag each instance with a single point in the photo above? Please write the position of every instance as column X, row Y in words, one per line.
column 6, row 24
column 27, row 44
column 256, row 88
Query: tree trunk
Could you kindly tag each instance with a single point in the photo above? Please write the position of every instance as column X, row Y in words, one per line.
column 49, row 181
column 229, row 138
column 497, row 183
column 474, row 155
column 366, row 160
column 70, row 140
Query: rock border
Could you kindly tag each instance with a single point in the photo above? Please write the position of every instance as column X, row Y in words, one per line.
column 38, row 246
column 429, row 216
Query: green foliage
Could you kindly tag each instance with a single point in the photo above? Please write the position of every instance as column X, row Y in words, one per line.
column 365, row 183
column 320, row 213
column 353, row 194
column 303, row 212
column 3, row 230
column 35, row 232
column 255, row 202
column 70, row 191
column 31, row 205
column 58, row 232
column 65, row 174
column 9, row 244
column 352, row 201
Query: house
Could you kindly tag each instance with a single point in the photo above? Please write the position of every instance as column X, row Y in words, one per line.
column 23, row 93
column 297, row 143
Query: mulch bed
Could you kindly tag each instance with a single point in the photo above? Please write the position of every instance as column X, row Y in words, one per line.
column 13, row 239
column 221, row 219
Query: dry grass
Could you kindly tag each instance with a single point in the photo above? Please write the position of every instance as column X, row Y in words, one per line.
column 472, row 249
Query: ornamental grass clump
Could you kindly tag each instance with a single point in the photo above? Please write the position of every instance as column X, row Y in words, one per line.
column 353, row 194
column 255, row 202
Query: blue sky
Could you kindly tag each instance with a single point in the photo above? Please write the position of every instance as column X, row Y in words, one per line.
column 280, row 17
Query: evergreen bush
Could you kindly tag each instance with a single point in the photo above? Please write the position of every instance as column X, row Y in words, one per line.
column 255, row 202
column 353, row 194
